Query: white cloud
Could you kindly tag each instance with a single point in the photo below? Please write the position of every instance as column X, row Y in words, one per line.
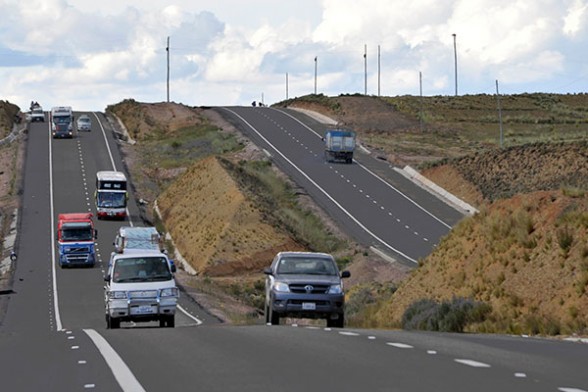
column 231, row 51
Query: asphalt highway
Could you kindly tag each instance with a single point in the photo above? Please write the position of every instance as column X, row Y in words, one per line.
column 53, row 335
column 384, row 211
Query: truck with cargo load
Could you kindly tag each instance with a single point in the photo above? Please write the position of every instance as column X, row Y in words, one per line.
column 339, row 145
column 146, row 238
column 37, row 113
column 75, row 238
column 140, row 287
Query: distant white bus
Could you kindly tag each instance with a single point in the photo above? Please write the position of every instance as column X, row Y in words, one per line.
column 111, row 195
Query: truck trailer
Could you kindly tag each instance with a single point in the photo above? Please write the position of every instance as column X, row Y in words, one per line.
column 339, row 145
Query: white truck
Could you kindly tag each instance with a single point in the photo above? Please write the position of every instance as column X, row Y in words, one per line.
column 140, row 287
column 37, row 113
column 146, row 238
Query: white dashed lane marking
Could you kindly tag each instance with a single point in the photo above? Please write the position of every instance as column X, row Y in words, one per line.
column 472, row 363
column 399, row 345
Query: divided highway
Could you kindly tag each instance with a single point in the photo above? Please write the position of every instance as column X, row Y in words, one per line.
column 406, row 224
column 53, row 335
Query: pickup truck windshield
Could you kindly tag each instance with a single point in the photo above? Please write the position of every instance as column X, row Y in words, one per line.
column 141, row 269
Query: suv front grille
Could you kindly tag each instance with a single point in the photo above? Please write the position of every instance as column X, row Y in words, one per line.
column 309, row 288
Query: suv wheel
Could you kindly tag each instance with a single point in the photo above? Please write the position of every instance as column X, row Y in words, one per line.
column 336, row 323
column 274, row 318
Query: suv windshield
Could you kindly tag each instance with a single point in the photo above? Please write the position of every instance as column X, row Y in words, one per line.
column 306, row 266
column 141, row 269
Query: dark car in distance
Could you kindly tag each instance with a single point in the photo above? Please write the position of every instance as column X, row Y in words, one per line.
column 305, row 285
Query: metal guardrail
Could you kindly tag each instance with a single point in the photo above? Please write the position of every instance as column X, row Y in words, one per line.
column 13, row 135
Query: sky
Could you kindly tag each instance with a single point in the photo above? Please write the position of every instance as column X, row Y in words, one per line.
column 89, row 54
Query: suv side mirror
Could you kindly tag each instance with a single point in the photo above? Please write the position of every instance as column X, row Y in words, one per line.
column 345, row 274
column 267, row 271
column 107, row 278
column 95, row 234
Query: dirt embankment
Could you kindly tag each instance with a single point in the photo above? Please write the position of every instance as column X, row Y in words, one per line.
column 216, row 227
column 526, row 255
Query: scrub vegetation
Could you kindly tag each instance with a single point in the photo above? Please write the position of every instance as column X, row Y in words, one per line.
column 518, row 266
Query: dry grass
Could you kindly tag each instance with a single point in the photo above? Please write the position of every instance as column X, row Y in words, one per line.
column 525, row 256
column 218, row 230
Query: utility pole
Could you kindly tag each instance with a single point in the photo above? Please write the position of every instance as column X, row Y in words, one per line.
column 455, row 60
column 167, row 50
column 378, row 70
column 315, row 73
column 421, row 98
column 499, row 113
column 365, row 69
column 286, row 85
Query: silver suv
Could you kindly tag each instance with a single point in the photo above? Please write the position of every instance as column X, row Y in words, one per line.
column 305, row 285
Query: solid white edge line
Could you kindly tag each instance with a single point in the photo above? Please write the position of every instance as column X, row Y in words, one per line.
column 354, row 219
column 372, row 173
column 58, row 324
column 198, row 321
column 123, row 375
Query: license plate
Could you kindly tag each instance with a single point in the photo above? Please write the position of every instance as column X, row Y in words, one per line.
column 308, row 306
column 143, row 309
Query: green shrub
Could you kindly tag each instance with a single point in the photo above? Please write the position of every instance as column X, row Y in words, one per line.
column 447, row 316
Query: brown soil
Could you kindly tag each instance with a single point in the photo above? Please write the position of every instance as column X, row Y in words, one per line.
column 496, row 256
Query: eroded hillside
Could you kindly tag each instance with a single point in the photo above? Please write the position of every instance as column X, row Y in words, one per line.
column 217, row 228
column 525, row 253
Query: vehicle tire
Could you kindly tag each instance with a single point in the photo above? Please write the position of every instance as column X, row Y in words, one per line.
column 274, row 317
column 171, row 322
column 112, row 323
column 337, row 323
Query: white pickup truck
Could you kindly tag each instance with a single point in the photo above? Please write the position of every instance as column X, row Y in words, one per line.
column 140, row 287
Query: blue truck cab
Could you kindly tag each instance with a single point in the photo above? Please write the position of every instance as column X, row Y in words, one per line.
column 75, row 239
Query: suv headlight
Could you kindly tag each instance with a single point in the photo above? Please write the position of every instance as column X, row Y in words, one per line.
column 117, row 295
column 171, row 292
column 335, row 289
column 281, row 287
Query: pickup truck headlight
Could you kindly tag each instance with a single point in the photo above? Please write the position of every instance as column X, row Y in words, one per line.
column 117, row 295
column 335, row 289
column 171, row 292
column 281, row 287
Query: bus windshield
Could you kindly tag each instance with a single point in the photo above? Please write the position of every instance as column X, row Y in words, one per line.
column 111, row 200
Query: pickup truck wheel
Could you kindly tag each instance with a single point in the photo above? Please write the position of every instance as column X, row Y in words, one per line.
column 112, row 323
column 167, row 321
